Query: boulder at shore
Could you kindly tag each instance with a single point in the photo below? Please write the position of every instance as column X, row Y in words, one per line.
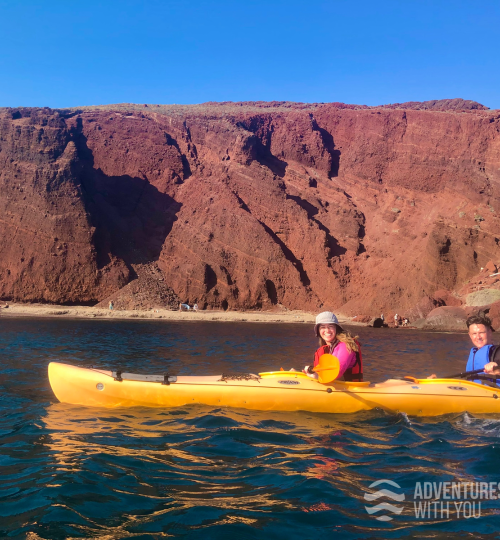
column 446, row 318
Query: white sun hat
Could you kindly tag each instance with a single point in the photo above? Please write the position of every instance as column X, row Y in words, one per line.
column 327, row 317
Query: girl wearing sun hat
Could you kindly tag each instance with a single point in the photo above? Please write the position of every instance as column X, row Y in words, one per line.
column 340, row 343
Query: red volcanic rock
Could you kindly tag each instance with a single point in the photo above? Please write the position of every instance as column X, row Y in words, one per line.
column 47, row 243
column 424, row 307
column 446, row 318
column 476, row 310
column 494, row 315
column 362, row 318
column 446, row 298
column 439, row 105
column 147, row 291
column 490, row 267
column 248, row 205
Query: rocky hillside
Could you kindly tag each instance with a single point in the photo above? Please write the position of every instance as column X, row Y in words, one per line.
column 248, row 205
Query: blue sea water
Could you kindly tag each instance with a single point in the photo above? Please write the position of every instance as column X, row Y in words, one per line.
column 196, row 472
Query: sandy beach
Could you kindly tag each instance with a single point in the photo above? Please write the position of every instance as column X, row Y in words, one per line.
column 86, row 312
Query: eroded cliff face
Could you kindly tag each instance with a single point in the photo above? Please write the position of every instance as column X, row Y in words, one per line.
column 247, row 205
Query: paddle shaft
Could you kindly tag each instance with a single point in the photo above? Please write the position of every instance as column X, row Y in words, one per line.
column 464, row 374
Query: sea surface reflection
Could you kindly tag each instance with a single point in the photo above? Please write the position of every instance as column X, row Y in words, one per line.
column 196, row 472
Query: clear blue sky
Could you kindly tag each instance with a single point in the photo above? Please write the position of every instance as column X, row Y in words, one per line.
column 72, row 52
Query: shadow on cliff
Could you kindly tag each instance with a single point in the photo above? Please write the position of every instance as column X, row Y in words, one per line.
column 329, row 145
column 260, row 147
column 131, row 217
column 335, row 249
column 265, row 157
column 287, row 252
column 261, row 150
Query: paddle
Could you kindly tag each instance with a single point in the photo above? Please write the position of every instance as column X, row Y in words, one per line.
column 328, row 368
column 492, row 381
column 463, row 374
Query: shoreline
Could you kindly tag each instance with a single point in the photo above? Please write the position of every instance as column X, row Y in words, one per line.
column 55, row 311
column 87, row 312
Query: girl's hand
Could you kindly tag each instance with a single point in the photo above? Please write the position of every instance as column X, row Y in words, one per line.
column 309, row 372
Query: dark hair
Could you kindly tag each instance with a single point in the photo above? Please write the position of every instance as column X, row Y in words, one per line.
column 479, row 319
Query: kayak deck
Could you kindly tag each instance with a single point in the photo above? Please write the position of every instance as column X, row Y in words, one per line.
column 279, row 390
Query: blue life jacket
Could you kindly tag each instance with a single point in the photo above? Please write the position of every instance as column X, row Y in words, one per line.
column 478, row 358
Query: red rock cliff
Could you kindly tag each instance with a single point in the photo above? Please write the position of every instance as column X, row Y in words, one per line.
column 249, row 205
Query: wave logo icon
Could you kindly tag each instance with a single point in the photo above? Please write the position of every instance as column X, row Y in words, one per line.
column 370, row 497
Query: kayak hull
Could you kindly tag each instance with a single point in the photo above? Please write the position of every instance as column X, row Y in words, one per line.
column 276, row 391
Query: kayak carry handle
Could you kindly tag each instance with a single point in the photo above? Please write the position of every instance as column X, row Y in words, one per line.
column 167, row 379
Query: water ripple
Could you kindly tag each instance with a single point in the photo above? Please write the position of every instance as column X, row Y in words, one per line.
column 195, row 472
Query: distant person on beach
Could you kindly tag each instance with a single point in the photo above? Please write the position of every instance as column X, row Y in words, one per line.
column 195, row 307
column 111, row 305
column 382, row 317
column 340, row 343
column 396, row 320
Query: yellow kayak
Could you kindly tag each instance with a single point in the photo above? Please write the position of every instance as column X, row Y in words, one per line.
column 272, row 391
